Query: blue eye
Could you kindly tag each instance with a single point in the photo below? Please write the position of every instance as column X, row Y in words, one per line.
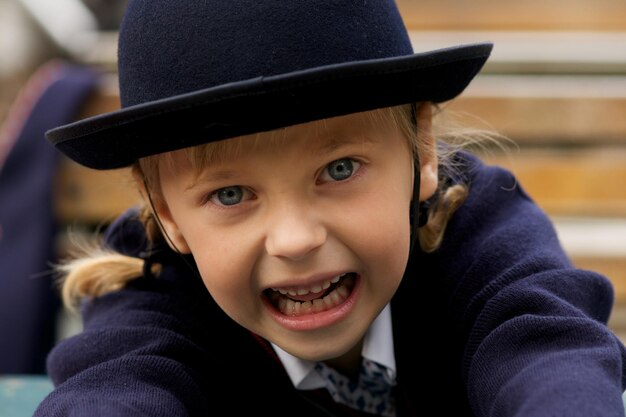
column 228, row 196
column 341, row 169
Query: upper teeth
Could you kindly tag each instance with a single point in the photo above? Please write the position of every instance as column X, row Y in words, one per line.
column 312, row 289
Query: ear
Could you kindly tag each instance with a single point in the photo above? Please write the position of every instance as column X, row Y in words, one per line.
column 428, row 154
column 162, row 214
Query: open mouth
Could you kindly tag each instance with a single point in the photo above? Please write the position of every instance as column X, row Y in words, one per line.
column 314, row 299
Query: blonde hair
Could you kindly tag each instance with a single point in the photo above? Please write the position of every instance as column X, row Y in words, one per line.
column 93, row 272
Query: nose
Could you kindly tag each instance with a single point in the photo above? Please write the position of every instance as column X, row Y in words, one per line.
column 294, row 232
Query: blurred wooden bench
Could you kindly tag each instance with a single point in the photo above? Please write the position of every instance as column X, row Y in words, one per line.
column 510, row 15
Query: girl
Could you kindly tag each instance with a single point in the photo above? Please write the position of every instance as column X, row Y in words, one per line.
column 307, row 247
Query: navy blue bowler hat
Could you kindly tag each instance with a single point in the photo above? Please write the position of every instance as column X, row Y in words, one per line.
column 196, row 71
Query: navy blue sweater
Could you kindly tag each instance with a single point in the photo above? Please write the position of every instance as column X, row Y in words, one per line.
column 497, row 322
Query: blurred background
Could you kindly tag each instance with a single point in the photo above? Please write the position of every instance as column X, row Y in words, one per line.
column 555, row 85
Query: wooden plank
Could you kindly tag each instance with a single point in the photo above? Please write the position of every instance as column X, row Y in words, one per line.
column 600, row 15
column 574, row 182
column 538, row 52
column 602, row 238
column 612, row 268
column 545, row 109
column 547, row 120
column 91, row 197
column 597, row 244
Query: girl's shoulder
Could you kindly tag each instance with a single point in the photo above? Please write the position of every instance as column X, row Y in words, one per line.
column 491, row 187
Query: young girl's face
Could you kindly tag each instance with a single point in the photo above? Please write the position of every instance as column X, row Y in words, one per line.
column 302, row 239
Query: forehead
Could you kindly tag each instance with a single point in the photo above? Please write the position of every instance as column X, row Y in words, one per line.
column 309, row 138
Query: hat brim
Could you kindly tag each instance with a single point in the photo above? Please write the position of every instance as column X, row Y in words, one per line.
column 120, row 138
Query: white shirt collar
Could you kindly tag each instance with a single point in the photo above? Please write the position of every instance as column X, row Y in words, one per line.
column 377, row 346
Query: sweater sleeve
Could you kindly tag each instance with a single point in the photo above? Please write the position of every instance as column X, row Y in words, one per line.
column 135, row 357
column 536, row 342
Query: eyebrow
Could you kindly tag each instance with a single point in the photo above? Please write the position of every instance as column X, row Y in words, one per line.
column 214, row 176
column 337, row 142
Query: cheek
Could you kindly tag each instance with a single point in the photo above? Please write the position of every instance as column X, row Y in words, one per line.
column 389, row 234
column 225, row 267
column 379, row 231
column 382, row 213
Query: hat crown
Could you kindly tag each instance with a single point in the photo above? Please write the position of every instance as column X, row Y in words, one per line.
column 172, row 47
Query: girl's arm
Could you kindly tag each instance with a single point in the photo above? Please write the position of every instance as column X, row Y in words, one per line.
column 535, row 328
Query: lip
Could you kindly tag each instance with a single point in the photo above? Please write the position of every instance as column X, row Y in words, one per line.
column 318, row 320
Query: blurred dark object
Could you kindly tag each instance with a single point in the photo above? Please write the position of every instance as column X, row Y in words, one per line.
column 108, row 13
column 29, row 303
